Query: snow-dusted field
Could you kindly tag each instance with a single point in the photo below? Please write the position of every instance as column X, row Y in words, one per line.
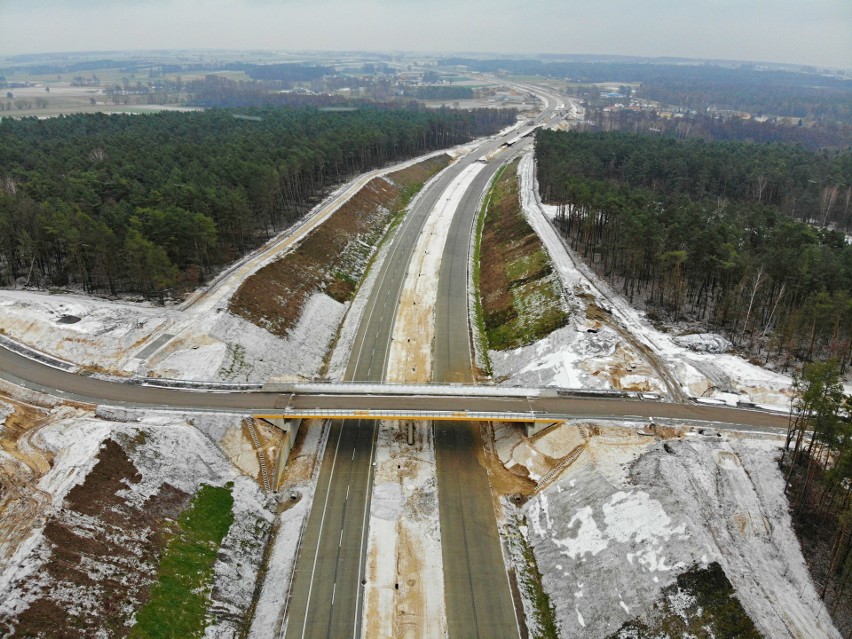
column 631, row 513
column 168, row 457
column 140, row 339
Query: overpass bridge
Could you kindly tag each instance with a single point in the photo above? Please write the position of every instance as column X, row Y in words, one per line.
column 535, row 408
column 409, row 415
column 440, row 402
column 473, row 402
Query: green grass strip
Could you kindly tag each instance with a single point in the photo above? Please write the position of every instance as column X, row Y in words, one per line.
column 180, row 598
column 479, row 316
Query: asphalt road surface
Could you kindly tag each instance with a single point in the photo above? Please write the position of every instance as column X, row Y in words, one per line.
column 30, row 374
column 327, row 592
column 476, row 586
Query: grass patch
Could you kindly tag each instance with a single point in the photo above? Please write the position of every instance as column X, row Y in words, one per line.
column 408, row 194
column 528, row 266
column 702, row 604
column 180, row 598
column 236, row 357
column 543, row 623
column 479, row 317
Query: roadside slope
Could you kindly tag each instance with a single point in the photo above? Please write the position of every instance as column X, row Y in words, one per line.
column 521, row 296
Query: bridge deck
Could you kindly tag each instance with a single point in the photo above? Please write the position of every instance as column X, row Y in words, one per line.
column 457, row 416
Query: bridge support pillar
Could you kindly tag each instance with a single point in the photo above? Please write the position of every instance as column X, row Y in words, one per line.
column 534, row 428
column 291, row 429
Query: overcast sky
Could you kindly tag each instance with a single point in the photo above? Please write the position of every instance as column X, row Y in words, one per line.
column 815, row 32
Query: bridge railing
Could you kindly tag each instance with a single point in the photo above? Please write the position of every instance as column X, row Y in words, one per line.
column 443, row 388
column 419, row 415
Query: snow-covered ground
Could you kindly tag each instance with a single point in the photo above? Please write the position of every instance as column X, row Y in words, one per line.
column 168, row 457
column 629, row 513
column 140, row 339
column 574, row 357
column 404, row 595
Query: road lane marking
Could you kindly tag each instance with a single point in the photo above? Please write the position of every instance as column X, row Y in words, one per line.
column 397, row 245
column 362, row 548
column 319, row 537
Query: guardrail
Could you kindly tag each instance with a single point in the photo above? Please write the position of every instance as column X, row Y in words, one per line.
column 415, row 415
column 328, row 387
column 29, row 352
column 163, row 382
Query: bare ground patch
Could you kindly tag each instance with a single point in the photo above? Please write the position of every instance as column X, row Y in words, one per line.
column 103, row 554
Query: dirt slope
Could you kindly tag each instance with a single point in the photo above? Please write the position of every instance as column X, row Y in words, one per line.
column 334, row 257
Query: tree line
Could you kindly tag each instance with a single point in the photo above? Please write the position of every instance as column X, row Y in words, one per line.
column 817, row 463
column 146, row 202
column 823, row 135
column 713, row 232
column 439, row 92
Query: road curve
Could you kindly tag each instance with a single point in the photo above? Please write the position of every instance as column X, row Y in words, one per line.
column 476, row 585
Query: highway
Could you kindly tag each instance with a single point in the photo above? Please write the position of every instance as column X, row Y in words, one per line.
column 327, row 592
column 477, row 592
